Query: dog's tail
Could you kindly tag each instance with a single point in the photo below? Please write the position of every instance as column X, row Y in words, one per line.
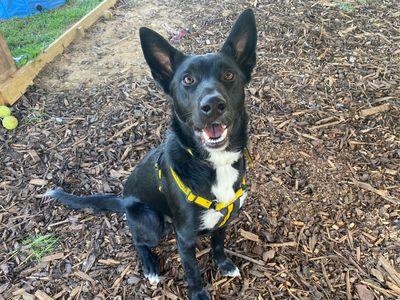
column 99, row 203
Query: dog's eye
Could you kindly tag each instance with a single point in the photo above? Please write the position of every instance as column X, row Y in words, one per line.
column 188, row 80
column 229, row 76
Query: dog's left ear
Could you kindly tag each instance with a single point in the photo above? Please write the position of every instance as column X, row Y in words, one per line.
column 162, row 58
column 242, row 41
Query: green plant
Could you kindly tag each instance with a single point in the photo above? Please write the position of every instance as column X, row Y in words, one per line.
column 37, row 246
column 28, row 37
column 345, row 6
column 36, row 116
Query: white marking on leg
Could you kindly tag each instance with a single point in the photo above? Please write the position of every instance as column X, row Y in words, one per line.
column 234, row 273
column 153, row 278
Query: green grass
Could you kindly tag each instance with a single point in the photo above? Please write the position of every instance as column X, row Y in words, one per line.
column 36, row 247
column 350, row 6
column 28, row 37
column 346, row 7
column 35, row 116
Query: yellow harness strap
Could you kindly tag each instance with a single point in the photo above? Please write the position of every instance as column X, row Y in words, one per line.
column 190, row 196
column 205, row 202
column 228, row 215
column 248, row 156
column 159, row 175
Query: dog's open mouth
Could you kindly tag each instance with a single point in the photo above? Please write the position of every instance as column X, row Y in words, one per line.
column 213, row 136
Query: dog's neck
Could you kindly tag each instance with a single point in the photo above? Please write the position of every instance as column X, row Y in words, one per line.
column 213, row 174
column 222, row 158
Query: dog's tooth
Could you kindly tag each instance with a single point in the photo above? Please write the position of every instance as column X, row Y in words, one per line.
column 205, row 136
column 218, row 140
column 224, row 134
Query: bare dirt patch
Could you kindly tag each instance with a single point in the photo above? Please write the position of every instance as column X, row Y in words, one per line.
column 111, row 48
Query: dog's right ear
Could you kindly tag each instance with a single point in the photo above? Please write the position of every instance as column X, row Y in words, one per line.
column 162, row 58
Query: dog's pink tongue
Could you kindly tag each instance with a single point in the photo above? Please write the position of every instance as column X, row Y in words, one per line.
column 214, row 131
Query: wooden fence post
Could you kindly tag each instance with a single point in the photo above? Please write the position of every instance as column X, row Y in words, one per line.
column 7, row 65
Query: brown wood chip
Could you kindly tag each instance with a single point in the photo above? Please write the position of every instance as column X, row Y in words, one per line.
column 85, row 276
column 52, row 257
column 117, row 282
column 378, row 275
column 375, row 110
column 42, row 295
column 37, row 181
column 108, row 261
column 268, row 255
column 170, row 295
column 394, row 275
column 249, row 236
column 364, row 293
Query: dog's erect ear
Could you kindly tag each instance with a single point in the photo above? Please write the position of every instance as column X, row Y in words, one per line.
column 242, row 41
column 162, row 58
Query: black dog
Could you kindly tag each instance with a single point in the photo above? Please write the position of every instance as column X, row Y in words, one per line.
column 194, row 182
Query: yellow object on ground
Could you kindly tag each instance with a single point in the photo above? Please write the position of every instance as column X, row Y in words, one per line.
column 108, row 15
column 4, row 111
column 10, row 122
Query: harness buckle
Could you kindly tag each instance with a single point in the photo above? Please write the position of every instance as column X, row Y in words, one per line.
column 213, row 204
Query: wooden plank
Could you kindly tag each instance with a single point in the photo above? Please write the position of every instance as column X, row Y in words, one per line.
column 16, row 85
column 7, row 65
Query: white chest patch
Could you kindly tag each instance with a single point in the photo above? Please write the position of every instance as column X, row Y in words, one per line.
column 210, row 218
column 226, row 176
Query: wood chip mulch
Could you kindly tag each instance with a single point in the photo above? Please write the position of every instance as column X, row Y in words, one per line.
column 323, row 217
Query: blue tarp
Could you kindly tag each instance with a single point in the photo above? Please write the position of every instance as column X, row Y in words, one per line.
column 23, row 8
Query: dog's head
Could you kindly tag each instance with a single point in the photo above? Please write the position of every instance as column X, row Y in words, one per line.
column 207, row 91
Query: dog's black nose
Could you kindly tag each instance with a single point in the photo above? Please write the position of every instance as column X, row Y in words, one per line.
column 212, row 106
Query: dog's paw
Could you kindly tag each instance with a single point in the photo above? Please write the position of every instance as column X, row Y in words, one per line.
column 232, row 273
column 151, row 269
column 202, row 295
column 228, row 268
column 153, row 278
column 152, row 272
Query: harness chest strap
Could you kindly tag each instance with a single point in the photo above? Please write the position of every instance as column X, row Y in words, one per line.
column 205, row 202
column 202, row 201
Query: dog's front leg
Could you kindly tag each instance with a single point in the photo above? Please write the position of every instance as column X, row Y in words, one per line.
column 186, row 247
column 224, row 263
